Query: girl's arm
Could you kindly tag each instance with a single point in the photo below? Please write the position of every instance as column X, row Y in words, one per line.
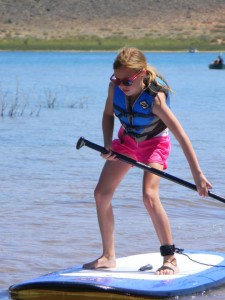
column 161, row 109
column 108, row 119
column 108, row 124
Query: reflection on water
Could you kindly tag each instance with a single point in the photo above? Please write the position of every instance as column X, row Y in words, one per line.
column 48, row 218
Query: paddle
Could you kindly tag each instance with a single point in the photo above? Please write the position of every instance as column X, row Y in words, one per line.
column 83, row 142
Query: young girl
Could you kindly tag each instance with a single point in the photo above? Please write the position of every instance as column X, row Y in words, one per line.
column 139, row 97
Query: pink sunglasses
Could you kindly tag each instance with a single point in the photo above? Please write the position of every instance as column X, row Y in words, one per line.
column 126, row 81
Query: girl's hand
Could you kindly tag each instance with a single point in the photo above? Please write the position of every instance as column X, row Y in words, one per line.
column 109, row 155
column 203, row 185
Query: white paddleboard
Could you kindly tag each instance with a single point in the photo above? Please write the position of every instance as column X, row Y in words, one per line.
column 200, row 271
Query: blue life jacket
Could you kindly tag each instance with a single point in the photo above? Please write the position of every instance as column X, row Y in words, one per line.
column 138, row 119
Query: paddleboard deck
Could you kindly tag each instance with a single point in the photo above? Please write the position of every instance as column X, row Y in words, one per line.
column 199, row 271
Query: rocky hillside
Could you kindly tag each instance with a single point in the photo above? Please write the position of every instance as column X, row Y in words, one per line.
column 56, row 19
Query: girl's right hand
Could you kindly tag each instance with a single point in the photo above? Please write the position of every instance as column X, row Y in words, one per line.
column 110, row 155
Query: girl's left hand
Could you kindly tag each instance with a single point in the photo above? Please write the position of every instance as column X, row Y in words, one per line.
column 203, row 185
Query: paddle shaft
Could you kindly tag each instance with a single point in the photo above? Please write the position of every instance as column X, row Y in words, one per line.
column 83, row 142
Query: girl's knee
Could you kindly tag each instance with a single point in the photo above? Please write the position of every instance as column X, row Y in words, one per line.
column 98, row 194
column 101, row 195
column 150, row 200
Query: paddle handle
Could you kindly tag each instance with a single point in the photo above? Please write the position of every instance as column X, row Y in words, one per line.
column 83, row 142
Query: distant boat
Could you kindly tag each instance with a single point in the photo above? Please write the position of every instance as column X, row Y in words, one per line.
column 217, row 66
column 218, row 63
column 192, row 50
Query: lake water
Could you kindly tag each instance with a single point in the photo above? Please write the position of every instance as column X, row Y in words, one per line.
column 48, row 218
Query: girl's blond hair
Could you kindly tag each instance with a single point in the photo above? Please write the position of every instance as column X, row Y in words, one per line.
column 135, row 59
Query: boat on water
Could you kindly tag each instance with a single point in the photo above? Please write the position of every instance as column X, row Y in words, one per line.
column 217, row 66
column 192, row 50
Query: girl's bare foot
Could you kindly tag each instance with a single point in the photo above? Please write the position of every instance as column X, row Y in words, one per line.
column 101, row 262
column 169, row 267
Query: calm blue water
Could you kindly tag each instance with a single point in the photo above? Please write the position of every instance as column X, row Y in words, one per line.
column 48, row 219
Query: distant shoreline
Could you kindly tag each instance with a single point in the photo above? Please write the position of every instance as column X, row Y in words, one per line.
column 107, row 51
column 99, row 44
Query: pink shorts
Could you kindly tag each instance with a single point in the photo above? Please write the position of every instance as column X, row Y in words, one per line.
column 154, row 150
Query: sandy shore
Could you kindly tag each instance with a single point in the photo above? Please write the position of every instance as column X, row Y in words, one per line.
column 46, row 19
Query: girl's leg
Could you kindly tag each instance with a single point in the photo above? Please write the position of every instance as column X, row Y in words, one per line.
column 159, row 217
column 111, row 176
